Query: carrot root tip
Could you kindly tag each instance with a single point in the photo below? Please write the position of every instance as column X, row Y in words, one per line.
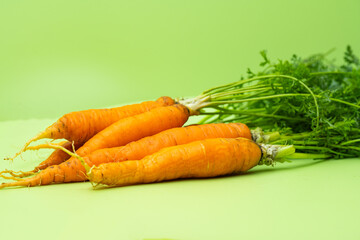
column 95, row 185
column 18, row 174
column 11, row 177
column 41, row 135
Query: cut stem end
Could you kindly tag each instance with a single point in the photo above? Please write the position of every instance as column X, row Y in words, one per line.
column 275, row 153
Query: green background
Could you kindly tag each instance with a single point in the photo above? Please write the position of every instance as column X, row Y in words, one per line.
column 62, row 56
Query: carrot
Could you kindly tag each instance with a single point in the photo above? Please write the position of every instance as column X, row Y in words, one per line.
column 136, row 127
column 80, row 126
column 120, row 133
column 199, row 159
column 136, row 150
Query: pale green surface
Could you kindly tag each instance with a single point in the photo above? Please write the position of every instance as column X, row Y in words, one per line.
column 102, row 53
column 299, row 200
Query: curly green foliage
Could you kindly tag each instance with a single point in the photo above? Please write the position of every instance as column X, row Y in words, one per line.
column 281, row 98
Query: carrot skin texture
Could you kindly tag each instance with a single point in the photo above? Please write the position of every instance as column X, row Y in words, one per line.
column 137, row 150
column 200, row 159
column 81, row 126
column 142, row 125
column 136, row 127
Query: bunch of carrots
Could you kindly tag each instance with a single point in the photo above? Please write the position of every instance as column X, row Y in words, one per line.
column 141, row 143
column 297, row 102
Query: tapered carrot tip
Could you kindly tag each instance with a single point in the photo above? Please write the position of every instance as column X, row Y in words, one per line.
column 44, row 134
column 18, row 174
column 12, row 178
column 15, row 184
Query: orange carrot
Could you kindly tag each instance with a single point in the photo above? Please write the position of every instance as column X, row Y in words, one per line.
column 136, row 150
column 136, row 127
column 120, row 133
column 80, row 126
column 199, row 159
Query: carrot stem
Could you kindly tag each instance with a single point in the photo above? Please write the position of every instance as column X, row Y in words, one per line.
column 308, row 156
column 351, row 141
column 251, row 113
column 259, row 136
column 329, row 73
